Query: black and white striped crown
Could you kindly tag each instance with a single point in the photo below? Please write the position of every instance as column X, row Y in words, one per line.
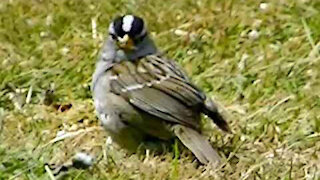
column 132, row 25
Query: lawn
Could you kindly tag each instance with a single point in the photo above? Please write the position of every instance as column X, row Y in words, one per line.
column 260, row 60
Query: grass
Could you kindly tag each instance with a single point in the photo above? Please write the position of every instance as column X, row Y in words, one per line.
column 260, row 63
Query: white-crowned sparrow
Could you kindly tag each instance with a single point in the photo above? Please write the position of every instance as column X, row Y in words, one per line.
column 140, row 94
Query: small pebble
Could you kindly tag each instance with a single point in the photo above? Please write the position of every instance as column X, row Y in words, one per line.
column 86, row 122
column 82, row 160
column 64, row 50
column 270, row 155
column 253, row 35
column 108, row 141
column 49, row 20
column 243, row 138
column 264, row 6
column 180, row 32
column 43, row 34
column 260, row 58
column 92, row 7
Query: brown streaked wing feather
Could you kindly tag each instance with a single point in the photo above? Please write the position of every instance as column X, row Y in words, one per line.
column 162, row 105
column 168, row 65
column 176, row 72
column 156, row 88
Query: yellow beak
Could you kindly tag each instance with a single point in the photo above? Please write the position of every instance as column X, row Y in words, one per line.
column 125, row 43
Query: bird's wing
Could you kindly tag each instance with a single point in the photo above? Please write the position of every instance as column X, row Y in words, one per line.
column 169, row 66
column 209, row 107
column 158, row 88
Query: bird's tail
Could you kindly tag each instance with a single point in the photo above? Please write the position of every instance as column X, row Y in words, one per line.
column 211, row 110
column 199, row 146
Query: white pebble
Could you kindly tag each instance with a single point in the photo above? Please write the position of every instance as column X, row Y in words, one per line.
column 254, row 34
column 264, row 6
column 108, row 141
column 43, row 34
column 180, row 32
column 64, row 50
column 310, row 72
column 190, row 52
column 49, row 20
column 260, row 58
column 258, row 81
column 270, row 155
column 84, row 158
column 91, row 7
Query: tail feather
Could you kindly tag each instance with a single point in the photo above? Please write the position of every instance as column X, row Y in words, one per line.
column 199, row 146
column 210, row 109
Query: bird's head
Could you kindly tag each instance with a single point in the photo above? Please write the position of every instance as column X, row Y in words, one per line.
column 127, row 31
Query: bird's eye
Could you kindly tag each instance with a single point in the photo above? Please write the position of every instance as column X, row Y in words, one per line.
column 113, row 36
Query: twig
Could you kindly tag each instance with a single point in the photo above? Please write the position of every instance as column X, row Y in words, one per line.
column 28, row 99
column 280, row 102
column 72, row 134
column 46, row 167
column 259, row 111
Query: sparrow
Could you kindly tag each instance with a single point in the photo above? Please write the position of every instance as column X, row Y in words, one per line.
column 142, row 98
